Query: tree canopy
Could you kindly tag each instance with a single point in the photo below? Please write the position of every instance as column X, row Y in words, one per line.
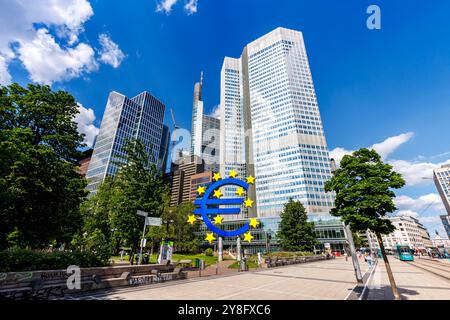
column 363, row 186
column 40, row 188
column 295, row 232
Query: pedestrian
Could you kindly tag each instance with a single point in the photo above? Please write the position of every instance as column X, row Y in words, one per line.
column 369, row 260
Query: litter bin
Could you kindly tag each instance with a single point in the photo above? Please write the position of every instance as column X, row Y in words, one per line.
column 197, row 263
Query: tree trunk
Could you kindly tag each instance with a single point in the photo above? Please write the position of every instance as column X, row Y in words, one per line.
column 388, row 268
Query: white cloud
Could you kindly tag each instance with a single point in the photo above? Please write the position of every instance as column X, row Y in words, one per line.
column 166, row 6
column 391, row 144
column 85, row 119
column 50, row 52
column 427, row 203
column 5, row 77
column 338, row 153
column 384, row 148
column 47, row 62
column 191, row 6
column 215, row 112
column 412, row 171
column 415, row 172
column 110, row 52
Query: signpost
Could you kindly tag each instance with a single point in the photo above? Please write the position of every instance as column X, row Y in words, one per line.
column 144, row 214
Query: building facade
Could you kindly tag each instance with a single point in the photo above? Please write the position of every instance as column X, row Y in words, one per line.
column 200, row 179
column 205, row 134
column 180, row 178
column 271, row 126
column 441, row 179
column 84, row 162
column 140, row 117
column 408, row 231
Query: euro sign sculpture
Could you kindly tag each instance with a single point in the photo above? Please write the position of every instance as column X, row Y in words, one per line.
column 210, row 206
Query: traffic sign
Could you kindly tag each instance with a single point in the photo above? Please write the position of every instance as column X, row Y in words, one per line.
column 152, row 221
column 142, row 213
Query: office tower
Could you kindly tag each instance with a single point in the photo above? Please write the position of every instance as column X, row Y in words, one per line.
column 84, row 162
column 271, row 125
column 124, row 119
column 205, row 132
column 180, row 178
column 441, row 177
column 200, row 179
column 197, row 118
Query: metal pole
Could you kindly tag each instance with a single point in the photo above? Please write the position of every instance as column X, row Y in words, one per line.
column 238, row 249
column 355, row 261
column 142, row 241
column 220, row 258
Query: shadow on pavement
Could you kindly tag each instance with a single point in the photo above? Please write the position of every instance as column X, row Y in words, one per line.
column 385, row 293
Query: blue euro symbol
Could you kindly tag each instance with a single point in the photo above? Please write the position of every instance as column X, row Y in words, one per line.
column 205, row 202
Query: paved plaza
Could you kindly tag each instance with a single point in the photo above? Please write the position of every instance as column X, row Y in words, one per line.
column 413, row 283
column 329, row 280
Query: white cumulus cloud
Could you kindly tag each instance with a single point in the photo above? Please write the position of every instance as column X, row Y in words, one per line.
column 47, row 62
column 384, row 148
column 85, row 120
column 110, row 52
column 215, row 112
column 43, row 35
column 166, row 6
column 5, row 77
column 191, row 6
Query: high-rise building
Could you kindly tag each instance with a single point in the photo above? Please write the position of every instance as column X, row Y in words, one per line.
column 271, row 125
column 446, row 222
column 180, row 178
column 205, row 132
column 84, row 162
column 124, row 119
column 200, row 179
column 441, row 177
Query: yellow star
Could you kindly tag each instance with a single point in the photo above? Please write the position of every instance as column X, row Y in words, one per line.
column 250, row 180
column 248, row 236
column 210, row 238
column 217, row 194
column 233, row 174
column 240, row 191
column 216, row 176
column 201, row 190
column 218, row 219
column 253, row 222
column 248, row 203
column 191, row 219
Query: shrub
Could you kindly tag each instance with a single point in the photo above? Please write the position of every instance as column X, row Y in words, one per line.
column 15, row 260
column 209, row 252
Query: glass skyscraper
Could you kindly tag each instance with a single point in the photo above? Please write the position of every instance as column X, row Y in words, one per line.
column 205, row 132
column 441, row 178
column 271, row 126
column 140, row 118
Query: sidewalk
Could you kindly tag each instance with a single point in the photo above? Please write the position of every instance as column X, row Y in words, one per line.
column 412, row 282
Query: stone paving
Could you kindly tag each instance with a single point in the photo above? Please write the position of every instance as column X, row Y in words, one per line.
column 413, row 283
column 329, row 279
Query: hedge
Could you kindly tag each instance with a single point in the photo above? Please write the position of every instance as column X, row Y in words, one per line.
column 15, row 260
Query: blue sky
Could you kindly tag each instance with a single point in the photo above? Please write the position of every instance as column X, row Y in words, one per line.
column 371, row 85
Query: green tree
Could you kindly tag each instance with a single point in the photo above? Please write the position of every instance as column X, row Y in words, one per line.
column 359, row 241
column 138, row 185
column 97, row 235
column 363, row 186
column 295, row 232
column 179, row 230
column 40, row 189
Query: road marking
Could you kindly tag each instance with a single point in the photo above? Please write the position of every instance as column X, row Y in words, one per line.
column 368, row 280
